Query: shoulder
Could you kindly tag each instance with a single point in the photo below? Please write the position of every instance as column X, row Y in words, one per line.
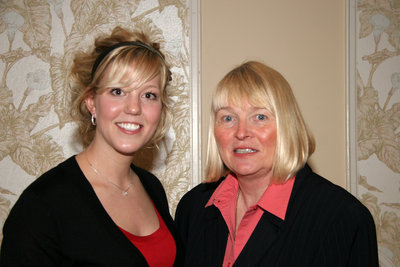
column 191, row 210
column 343, row 228
column 57, row 179
column 44, row 195
column 319, row 194
column 57, row 187
column 197, row 197
column 202, row 192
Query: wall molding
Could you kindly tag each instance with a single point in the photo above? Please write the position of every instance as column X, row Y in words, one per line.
column 351, row 96
column 195, row 85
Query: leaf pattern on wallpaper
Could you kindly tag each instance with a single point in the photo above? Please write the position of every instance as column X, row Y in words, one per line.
column 59, row 73
column 24, row 138
column 387, row 226
column 176, row 181
column 124, row 9
column 10, row 58
column 362, row 180
column 37, row 110
column 378, row 124
column 10, row 130
column 392, row 205
column 37, row 28
column 47, row 152
column 86, row 15
column 4, row 208
column 377, row 130
column 22, row 142
column 380, row 16
column 6, row 98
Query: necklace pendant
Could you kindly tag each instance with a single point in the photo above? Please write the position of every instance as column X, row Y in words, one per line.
column 125, row 193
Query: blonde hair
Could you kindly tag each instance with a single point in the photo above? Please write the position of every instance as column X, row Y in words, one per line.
column 125, row 64
column 263, row 87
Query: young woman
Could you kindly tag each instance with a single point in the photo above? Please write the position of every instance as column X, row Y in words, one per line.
column 96, row 208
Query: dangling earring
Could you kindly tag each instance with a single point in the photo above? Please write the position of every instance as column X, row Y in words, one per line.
column 93, row 120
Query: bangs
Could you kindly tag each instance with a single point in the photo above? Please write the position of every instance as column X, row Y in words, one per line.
column 240, row 86
column 130, row 65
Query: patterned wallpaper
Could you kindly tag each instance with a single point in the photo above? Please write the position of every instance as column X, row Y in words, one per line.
column 39, row 37
column 37, row 41
column 377, row 114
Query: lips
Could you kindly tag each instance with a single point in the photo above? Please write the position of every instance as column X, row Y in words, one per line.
column 244, row 150
column 129, row 126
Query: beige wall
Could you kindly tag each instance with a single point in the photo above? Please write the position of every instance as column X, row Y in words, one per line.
column 305, row 41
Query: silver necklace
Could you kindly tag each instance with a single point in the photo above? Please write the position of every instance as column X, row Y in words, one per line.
column 124, row 192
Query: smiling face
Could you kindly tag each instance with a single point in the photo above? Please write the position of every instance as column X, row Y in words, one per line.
column 126, row 117
column 246, row 139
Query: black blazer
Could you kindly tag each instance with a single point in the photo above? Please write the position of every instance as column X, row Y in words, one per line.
column 59, row 221
column 324, row 226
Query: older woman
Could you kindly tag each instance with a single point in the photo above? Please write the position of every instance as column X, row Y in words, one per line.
column 96, row 208
column 261, row 204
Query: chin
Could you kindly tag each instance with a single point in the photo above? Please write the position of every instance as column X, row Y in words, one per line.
column 247, row 172
column 128, row 151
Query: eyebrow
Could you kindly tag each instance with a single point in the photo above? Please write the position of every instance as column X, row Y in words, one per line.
column 252, row 108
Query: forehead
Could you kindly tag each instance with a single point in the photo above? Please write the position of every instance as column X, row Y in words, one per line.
column 233, row 102
column 129, row 76
column 245, row 109
column 153, row 84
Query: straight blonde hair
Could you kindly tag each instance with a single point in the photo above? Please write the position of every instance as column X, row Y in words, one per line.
column 263, row 87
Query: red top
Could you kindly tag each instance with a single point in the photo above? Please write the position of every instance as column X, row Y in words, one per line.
column 274, row 200
column 159, row 248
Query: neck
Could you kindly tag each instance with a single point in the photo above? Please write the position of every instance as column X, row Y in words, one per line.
column 113, row 165
column 251, row 189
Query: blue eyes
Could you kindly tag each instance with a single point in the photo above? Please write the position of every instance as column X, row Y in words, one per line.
column 256, row 118
column 227, row 118
column 261, row 117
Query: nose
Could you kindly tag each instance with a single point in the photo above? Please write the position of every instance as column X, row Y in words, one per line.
column 132, row 104
column 242, row 130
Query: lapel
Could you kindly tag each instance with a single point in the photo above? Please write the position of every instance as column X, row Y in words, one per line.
column 299, row 194
column 261, row 241
column 270, row 230
column 215, row 234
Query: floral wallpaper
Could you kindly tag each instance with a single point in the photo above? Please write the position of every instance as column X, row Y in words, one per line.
column 38, row 39
column 378, row 120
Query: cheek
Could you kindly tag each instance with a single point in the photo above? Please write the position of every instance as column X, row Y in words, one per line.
column 269, row 139
column 221, row 137
column 153, row 113
column 107, row 109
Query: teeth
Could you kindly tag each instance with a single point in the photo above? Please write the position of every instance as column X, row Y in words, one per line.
column 129, row 126
column 245, row 150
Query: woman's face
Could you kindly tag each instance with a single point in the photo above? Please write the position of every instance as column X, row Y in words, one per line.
column 246, row 139
column 126, row 118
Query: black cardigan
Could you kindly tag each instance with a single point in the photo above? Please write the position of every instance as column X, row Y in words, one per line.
column 324, row 226
column 59, row 221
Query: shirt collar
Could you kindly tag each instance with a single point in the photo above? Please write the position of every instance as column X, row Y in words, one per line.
column 226, row 192
column 274, row 200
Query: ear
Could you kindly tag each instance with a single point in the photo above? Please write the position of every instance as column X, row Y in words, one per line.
column 90, row 105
